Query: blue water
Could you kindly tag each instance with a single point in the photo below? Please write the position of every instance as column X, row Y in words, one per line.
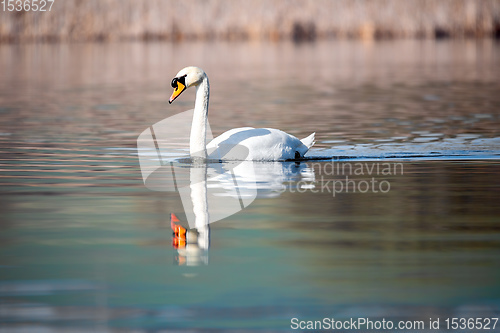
column 413, row 233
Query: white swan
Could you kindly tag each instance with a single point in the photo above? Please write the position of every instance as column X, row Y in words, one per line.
column 246, row 143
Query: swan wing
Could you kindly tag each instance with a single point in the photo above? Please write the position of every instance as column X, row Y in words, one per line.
column 258, row 144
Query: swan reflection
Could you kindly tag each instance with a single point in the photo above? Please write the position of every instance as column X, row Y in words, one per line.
column 218, row 190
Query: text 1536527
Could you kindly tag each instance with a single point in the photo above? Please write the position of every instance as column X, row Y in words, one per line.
column 26, row 5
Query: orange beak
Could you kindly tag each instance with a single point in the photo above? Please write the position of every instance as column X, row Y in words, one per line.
column 179, row 240
column 177, row 91
column 179, row 231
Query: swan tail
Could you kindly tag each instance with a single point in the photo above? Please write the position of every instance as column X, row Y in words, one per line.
column 309, row 141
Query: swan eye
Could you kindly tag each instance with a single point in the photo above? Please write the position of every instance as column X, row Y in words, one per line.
column 181, row 79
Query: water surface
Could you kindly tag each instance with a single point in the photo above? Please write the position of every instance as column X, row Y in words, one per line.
column 86, row 246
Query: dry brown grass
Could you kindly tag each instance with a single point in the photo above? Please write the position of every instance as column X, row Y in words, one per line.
column 102, row 20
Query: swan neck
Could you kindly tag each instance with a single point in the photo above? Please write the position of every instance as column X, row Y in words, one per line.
column 198, row 137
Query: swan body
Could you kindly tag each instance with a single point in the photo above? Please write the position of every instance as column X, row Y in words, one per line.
column 246, row 143
column 262, row 144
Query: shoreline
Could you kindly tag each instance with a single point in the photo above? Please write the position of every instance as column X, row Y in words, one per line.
column 255, row 20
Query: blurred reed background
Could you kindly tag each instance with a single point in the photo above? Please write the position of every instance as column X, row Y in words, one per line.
column 109, row 20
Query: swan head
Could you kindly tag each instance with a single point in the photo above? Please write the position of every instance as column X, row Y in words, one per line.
column 187, row 77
